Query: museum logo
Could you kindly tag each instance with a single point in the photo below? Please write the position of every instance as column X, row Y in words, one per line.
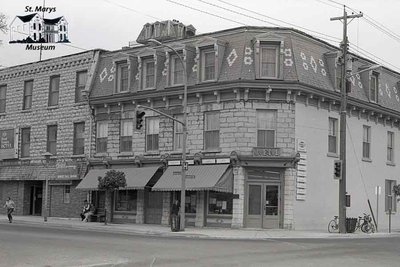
column 38, row 32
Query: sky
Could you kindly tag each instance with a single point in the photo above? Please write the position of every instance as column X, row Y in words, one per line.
column 112, row 24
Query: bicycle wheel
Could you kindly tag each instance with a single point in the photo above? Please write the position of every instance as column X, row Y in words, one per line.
column 333, row 227
column 368, row 228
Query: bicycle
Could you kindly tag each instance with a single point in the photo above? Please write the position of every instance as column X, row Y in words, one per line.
column 333, row 225
column 367, row 226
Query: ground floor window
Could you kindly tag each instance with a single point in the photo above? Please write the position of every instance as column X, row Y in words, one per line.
column 220, row 203
column 190, row 201
column 125, row 200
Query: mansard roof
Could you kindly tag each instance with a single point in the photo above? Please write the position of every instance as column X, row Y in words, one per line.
column 305, row 60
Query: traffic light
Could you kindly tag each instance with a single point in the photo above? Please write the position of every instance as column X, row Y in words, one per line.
column 139, row 119
column 337, row 169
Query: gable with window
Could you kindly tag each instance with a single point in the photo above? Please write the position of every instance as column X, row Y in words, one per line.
column 81, row 78
column 102, row 136
column 79, row 138
column 27, row 101
column 366, row 142
column 373, row 87
column 176, row 71
column 208, row 65
column 52, row 139
column 208, row 51
column 211, row 130
column 25, row 142
column 3, row 97
column 126, row 135
column 390, row 147
column 266, row 128
column 152, row 132
column 268, row 56
column 332, row 136
column 54, row 90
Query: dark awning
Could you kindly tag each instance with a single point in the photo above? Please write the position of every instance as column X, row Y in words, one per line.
column 206, row 177
column 136, row 178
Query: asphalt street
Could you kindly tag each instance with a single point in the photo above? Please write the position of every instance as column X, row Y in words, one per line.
column 25, row 245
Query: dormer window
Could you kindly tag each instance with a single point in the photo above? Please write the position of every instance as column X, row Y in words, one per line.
column 122, row 77
column 208, row 65
column 176, row 75
column 269, row 59
column 148, row 75
column 373, row 87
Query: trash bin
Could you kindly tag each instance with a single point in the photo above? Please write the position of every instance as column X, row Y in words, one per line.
column 351, row 225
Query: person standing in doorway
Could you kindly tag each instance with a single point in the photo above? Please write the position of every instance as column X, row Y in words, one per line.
column 175, row 216
column 10, row 206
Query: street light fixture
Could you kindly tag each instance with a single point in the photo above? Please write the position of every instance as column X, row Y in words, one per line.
column 184, row 124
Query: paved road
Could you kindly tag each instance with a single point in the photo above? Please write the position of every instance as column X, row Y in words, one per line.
column 24, row 245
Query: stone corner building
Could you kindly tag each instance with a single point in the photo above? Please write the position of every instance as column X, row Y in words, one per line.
column 45, row 123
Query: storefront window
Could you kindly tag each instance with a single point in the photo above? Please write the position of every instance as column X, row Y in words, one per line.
column 190, row 202
column 125, row 200
column 219, row 203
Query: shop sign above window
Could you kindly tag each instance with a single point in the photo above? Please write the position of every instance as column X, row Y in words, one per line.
column 266, row 152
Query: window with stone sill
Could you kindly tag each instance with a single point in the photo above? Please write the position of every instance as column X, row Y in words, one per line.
column 52, row 139
column 152, row 132
column 148, row 73
column 390, row 147
column 122, row 77
column 81, row 78
column 126, row 135
column 126, row 200
column 266, row 128
column 332, row 135
column 102, row 136
column 79, row 138
column 208, row 65
column 366, row 142
column 373, row 87
column 269, row 61
column 211, row 130
column 220, row 203
column 54, row 90
column 178, row 133
column 28, row 89
column 3, row 93
column 25, row 142
column 176, row 73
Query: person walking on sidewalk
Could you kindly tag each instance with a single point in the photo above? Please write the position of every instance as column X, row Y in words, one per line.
column 10, row 206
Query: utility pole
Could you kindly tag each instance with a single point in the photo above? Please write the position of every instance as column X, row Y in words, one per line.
column 343, row 110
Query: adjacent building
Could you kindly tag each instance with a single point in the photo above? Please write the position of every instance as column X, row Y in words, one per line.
column 45, row 126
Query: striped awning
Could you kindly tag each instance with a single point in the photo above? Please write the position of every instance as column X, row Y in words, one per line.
column 136, row 178
column 199, row 177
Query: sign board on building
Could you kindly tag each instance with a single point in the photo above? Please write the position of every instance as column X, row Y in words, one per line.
column 9, row 144
column 301, row 182
column 208, row 161
column 60, row 182
column 266, row 152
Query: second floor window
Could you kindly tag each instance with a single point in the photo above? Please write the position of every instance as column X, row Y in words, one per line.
column 332, row 135
column 3, row 93
column 102, row 136
column 54, row 90
column 126, row 136
column 52, row 139
column 178, row 133
column 148, row 74
column 366, row 142
column 28, row 88
column 373, row 88
column 266, row 128
column 81, row 78
column 208, row 65
column 211, row 130
column 79, row 138
column 176, row 71
column 122, row 77
column 390, row 147
column 152, row 131
column 25, row 142
column 269, row 61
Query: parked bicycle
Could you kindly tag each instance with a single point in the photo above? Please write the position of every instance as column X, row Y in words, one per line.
column 333, row 225
column 364, row 223
column 367, row 226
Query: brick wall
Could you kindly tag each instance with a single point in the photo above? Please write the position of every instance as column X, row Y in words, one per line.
column 57, row 207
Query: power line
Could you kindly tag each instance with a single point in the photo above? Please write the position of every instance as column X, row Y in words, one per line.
column 131, row 9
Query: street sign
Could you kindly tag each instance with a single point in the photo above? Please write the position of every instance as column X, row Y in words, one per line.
column 189, row 176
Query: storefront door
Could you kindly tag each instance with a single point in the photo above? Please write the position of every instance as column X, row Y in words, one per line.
column 262, row 205
column 36, row 200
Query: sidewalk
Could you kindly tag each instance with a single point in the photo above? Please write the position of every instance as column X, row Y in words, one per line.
column 190, row 232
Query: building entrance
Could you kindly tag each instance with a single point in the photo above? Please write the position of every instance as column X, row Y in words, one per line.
column 36, row 200
column 262, row 205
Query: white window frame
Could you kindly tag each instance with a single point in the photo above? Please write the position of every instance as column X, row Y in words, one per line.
column 126, row 133
column 173, row 74
column 152, row 134
column 390, row 147
column 101, row 135
column 333, row 135
column 266, row 129
column 121, row 68
column 277, row 49
column 374, row 81
column 145, row 75
column 178, row 132
column 212, row 132
column 205, row 52
column 366, row 142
